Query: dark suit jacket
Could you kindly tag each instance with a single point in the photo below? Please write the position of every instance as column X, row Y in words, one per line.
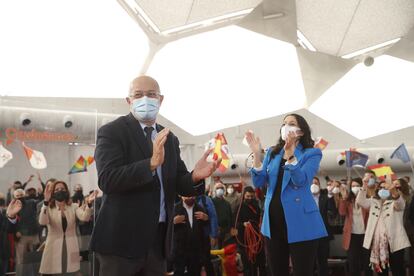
column 128, row 219
column 6, row 227
column 190, row 242
column 327, row 207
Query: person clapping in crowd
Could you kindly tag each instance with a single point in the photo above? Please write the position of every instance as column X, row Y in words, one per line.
column 385, row 235
column 61, row 252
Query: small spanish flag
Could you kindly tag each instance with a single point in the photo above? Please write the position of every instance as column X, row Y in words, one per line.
column 321, row 143
column 382, row 170
column 221, row 150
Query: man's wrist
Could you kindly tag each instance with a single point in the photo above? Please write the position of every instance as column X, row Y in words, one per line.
column 11, row 217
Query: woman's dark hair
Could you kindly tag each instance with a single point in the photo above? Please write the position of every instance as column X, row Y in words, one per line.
column 351, row 195
column 305, row 139
column 52, row 202
column 404, row 188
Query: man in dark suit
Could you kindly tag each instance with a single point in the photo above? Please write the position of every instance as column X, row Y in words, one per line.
column 140, row 172
column 326, row 206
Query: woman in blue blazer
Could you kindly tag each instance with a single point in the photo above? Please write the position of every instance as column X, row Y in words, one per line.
column 292, row 223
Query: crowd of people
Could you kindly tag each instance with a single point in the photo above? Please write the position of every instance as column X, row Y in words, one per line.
column 155, row 217
column 377, row 217
column 49, row 223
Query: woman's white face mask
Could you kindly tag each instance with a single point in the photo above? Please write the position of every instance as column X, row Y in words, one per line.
column 286, row 129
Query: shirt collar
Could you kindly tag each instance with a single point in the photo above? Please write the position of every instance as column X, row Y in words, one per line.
column 144, row 126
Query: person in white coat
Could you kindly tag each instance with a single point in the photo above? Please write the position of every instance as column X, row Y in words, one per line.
column 385, row 235
column 58, row 213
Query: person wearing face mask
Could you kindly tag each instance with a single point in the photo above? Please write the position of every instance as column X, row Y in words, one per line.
column 292, row 224
column 370, row 180
column 233, row 198
column 27, row 227
column 17, row 185
column 327, row 208
column 385, row 235
column 250, row 215
column 59, row 214
column 356, row 217
column 190, row 242
column 140, row 172
column 224, row 214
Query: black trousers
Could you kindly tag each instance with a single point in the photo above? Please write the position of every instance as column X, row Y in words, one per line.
column 303, row 256
column 258, row 267
column 396, row 264
column 358, row 256
column 154, row 264
column 322, row 257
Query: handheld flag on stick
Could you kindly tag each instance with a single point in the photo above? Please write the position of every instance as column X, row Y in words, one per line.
column 382, row 170
column 401, row 153
column 354, row 158
column 321, row 143
column 5, row 156
column 221, row 150
column 79, row 166
column 36, row 158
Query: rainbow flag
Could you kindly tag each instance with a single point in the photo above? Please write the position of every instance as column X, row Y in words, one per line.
column 221, row 150
column 80, row 166
column 382, row 170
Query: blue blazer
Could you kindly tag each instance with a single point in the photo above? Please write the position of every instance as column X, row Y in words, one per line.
column 303, row 219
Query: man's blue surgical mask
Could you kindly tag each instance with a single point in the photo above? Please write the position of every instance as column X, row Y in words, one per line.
column 371, row 182
column 145, row 109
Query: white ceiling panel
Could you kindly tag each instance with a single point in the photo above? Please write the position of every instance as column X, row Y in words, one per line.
column 370, row 101
column 225, row 78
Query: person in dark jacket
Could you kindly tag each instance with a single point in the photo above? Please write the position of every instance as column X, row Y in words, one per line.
column 250, row 216
column 190, row 241
column 140, row 171
column 8, row 219
column 327, row 207
column 27, row 228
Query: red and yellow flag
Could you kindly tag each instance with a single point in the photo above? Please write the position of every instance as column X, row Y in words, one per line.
column 382, row 170
column 321, row 143
column 221, row 150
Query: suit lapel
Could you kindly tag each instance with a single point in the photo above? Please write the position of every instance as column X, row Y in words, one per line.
column 136, row 131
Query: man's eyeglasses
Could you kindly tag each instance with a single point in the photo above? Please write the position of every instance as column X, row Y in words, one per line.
column 140, row 94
